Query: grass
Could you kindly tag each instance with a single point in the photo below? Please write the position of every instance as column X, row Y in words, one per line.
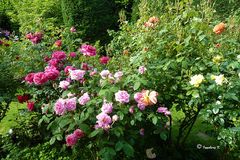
column 9, row 120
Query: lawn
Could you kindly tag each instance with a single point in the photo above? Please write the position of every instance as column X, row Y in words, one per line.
column 9, row 120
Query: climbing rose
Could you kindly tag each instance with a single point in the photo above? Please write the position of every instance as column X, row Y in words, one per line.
column 122, row 96
column 59, row 55
column 40, row 78
column 76, row 74
column 88, row 50
column 219, row 28
column 84, row 99
column 30, row 105
column 29, row 78
column 64, row 84
column 59, row 107
column 71, row 140
column 104, row 59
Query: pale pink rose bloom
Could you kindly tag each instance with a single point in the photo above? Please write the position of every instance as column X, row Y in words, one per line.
column 122, row 96
column 59, row 107
column 131, row 109
column 163, row 110
column 64, row 84
column 73, row 29
column 142, row 69
column 67, row 68
column 71, row 103
column 77, row 74
column 103, row 121
column 107, row 108
column 84, row 99
column 93, row 73
column 104, row 74
column 118, row 75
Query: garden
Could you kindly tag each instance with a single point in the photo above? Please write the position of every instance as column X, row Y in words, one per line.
column 120, row 79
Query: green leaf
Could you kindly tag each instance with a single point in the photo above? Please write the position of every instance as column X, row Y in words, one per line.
column 215, row 110
column 136, row 85
column 154, row 120
column 95, row 132
column 128, row 150
column 119, row 146
column 107, row 153
column 163, row 136
column 64, row 122
column 53, row 139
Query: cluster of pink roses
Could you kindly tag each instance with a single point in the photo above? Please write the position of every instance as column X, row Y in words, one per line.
column 106, row 74
column 69, row 104
column 72, row 139
column 35, row 38
column 103, row 119
column 63, row 105
column 51, row 71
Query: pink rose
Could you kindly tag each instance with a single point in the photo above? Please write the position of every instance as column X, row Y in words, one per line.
column 30, row 105
column 131, row 109
column 107, row 108
column 88, row 50
column 53, row 62
column 59, row 55
column 78, row 133
column 71, row 140
column 122, row 96
column 52, row 73
column 141, row 69
column 59, row 107
column 71, row 103
column 29, row 78
column 104, row 74
column 104, row 59
column 84, row 99
column 118, row 75
column 67, row 68
column 64, row 84
column 103, row 121
column 40, row 78
column 73, row 54
column 85, row 66
column 93, row 73
column 73, row 29
column 164, row 110
column 77, row 74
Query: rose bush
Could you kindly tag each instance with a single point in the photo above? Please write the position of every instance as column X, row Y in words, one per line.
column 121, row 107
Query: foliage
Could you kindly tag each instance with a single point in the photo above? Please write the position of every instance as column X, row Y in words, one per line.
column 36, row 15
column 180, row 46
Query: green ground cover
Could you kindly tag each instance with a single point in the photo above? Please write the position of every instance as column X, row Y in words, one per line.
column 9, row 120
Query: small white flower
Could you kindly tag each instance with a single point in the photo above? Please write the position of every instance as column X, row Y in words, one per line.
column 10, row 131
column 115, row 118
column 220, row 79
